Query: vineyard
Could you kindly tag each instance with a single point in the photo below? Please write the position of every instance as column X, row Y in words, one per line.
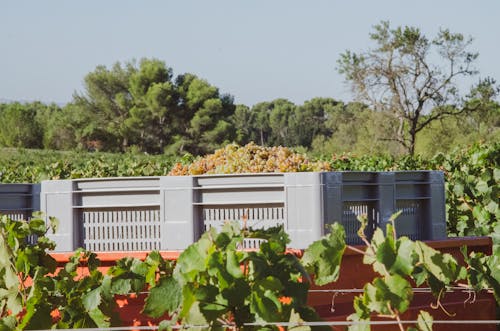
column 472, row 174
column 215, row 284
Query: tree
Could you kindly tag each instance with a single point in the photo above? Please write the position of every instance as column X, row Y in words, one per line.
column 271, row 123
column 204, row 117
column 399, row 76
column 19, row 125
column 105, row 106
column 59, row 126
column 279, row 122
column 242, row 120
column 261, row 113
column 153, row 118
column 308, row 120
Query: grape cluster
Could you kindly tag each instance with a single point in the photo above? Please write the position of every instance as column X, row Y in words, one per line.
column 250, row 158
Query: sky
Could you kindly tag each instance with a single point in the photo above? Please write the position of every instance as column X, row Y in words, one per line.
column 255, row 50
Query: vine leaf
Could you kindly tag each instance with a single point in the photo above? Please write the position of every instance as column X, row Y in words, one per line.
column 406, row 258
column 323, row 257
column 442, row 266
column 424, row 321
column 92, row 300
column 389, row 292
column 295, row 318
column 359, row 323
column 233, row 264
column 101, row 320
column 164, row 297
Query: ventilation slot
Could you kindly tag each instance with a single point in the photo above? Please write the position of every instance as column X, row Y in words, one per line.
column 350, row 213
column 124, row 230
column 410, row 222
column 258, row 218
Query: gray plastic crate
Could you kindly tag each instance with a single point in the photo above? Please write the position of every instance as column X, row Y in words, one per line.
column 18, row 201
column 256, row 200
column 111, row 214
column 419, row 195
column 170, row 213
column 292, row 200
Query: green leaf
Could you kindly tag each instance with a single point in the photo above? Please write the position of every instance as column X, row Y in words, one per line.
column 492, row 207
column 458, row 189
column 441, row 265
column 323, row 257
column 13, row 299
column 393, row 291
column 482, row 187
column 385, row 254
column 496, row 174
column 37, row 318
column 101, row 320
column 121, row 286
column 424, row 321
column 8, row 323
column 195, row 316
column 54, row 224
column 232, row 264
column 480, row 214
column 295, row 318
column 163, row 298
column 264, row 308
column 165, row 325
column 37, row 226
column 401, row 292
column 193, row 259
column 405, row 258
column 92, row 299
column 362, row 325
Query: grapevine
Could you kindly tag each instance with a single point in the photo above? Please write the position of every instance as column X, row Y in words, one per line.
column 216, row 283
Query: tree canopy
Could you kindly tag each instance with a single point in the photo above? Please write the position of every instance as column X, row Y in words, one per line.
column 412, row 77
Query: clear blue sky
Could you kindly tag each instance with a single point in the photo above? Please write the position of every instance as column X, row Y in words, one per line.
column 255, row 50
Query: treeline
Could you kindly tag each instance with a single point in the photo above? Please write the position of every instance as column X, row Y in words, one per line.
column 143, row 107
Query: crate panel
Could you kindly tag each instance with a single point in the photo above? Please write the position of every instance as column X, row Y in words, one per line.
column 121, row 230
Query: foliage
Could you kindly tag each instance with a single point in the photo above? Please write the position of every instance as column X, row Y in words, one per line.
column 472, row 187
column 222, row 284
column 142, row 106
column 32, row 297
column 215, row 282
column 33, row 166
column 20, row 126
column 401, row 262
column 247, row 159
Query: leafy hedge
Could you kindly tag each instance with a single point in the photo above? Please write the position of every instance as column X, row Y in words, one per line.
column 33, row 166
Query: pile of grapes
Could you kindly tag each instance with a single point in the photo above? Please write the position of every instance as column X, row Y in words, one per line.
column 250, row 159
